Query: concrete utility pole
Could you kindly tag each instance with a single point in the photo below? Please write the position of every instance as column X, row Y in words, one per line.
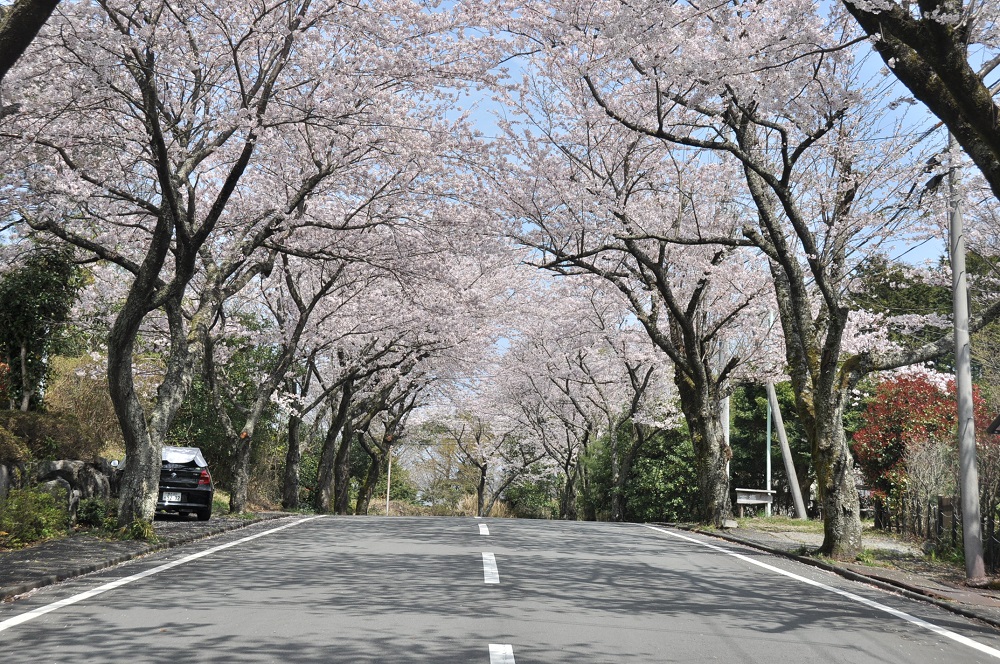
column 786, row 453
column 767, row 448
column 767, row 457
column 972, row 537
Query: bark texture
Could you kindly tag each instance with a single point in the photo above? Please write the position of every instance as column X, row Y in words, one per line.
column 19, row 24
column 293, row 457
column 930, row 57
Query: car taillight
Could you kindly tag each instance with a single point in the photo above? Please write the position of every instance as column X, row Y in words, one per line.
column 204, row 478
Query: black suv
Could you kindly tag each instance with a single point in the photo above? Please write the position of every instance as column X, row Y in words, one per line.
column 185, row 483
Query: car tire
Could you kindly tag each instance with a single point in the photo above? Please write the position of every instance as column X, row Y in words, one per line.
column 204, row 515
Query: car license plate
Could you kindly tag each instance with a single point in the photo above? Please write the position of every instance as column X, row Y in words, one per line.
column 171, row 497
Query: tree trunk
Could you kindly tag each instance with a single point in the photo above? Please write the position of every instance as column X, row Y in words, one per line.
column 26, row 391
column 702, row 411
column 144, row 438
column 617, row 500
column 290, row 485
column 567, row 507
column 618, row 503
column 481, row 490
column 19, row 26
column 323, row 496
column 835, row 476
column 241, row 478
column 342, row 470
column 368, row 487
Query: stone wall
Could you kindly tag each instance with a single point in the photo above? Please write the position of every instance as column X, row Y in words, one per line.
column 79, row 479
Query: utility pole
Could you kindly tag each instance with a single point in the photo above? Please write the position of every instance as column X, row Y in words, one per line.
column 972, row 537
column 786, row 454
column 767, row 447
column 767, row 457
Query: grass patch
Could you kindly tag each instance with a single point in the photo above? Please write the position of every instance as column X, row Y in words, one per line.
column 875, row 558
column 220, row 507
column 139, row 530
column 220, row 503
column 778, row 524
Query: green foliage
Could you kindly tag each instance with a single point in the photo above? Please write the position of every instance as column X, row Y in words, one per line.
column 197, row 422
column 403, row 487
column 309, row 468
column 51, row 435
column 748, row 439
column 97, row 513
column 197, row 425
column 12, row 448
column 664, row 485
column 220, row 502
column 32, row 515
column 533, row 497
column 35, row 302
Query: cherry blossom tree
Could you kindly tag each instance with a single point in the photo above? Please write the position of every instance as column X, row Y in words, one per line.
column 576, row 373
column 608, row 203
column 185, row 143
column 499, row 456
column 771, row 89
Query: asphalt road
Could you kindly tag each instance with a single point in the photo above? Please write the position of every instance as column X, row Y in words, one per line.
column 421, row 590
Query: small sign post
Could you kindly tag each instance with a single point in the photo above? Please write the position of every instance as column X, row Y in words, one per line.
column 753, row 497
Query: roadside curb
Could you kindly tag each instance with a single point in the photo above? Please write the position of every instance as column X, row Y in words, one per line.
column 8, row 592
column 903, row 589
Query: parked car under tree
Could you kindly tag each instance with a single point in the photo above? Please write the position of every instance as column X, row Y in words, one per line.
column 185, row 483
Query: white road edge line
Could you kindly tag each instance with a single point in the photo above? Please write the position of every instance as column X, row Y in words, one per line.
column 484, row 529
column 501, row 653
column 490, row 572
column 93, row 592
column 940, row 631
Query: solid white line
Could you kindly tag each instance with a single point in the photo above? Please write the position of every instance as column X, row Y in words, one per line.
column 940, row 631
column 501, row 653
column 490, row 572
column 93, row 592
column 484, row 529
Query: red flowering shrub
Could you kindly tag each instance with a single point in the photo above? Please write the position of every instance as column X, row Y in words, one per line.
column 908, row 410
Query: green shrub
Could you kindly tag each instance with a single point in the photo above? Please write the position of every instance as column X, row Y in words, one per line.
column 138, row 530
column 97, row 513
column 51, row 435
column 12, row 448
column 32, row 515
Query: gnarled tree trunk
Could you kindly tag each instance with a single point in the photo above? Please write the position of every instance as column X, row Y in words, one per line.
column 324, row 494
column 701, row 407
column 342, row 470
column 293, row 457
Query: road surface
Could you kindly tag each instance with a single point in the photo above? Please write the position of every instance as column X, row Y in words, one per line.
column 496, row 591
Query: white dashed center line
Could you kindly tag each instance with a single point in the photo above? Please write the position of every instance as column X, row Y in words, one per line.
column 490, row 572
column 484, row 529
